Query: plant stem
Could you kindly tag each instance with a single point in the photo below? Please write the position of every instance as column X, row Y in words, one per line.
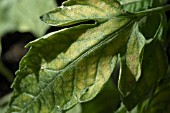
column 152, row 11
column 3, row 70
column 6, row 73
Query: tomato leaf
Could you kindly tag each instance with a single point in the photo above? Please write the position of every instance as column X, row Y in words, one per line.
column 154, row 67
column 136, row 5
column 63, row 67
column 131, row 62
column 76, row 11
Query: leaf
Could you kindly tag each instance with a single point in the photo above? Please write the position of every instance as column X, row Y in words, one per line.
column 130, row 62
column 136, row 5
column 160, row 102
column 150, row 20
column 6, row 22
column 55, row 76
column 153, row 20
column 106, row 101
column 25, row 14
column 76, row 11
column 140, row 5
column 51, row 42
column 154, row 67
column 125, row 2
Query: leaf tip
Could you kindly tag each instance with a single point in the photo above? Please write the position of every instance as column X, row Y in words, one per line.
column 45, row 17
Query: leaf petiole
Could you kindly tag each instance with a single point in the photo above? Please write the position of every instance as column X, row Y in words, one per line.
column 152, row 11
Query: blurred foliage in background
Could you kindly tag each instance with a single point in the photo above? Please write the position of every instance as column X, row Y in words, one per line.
column 22, row 16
